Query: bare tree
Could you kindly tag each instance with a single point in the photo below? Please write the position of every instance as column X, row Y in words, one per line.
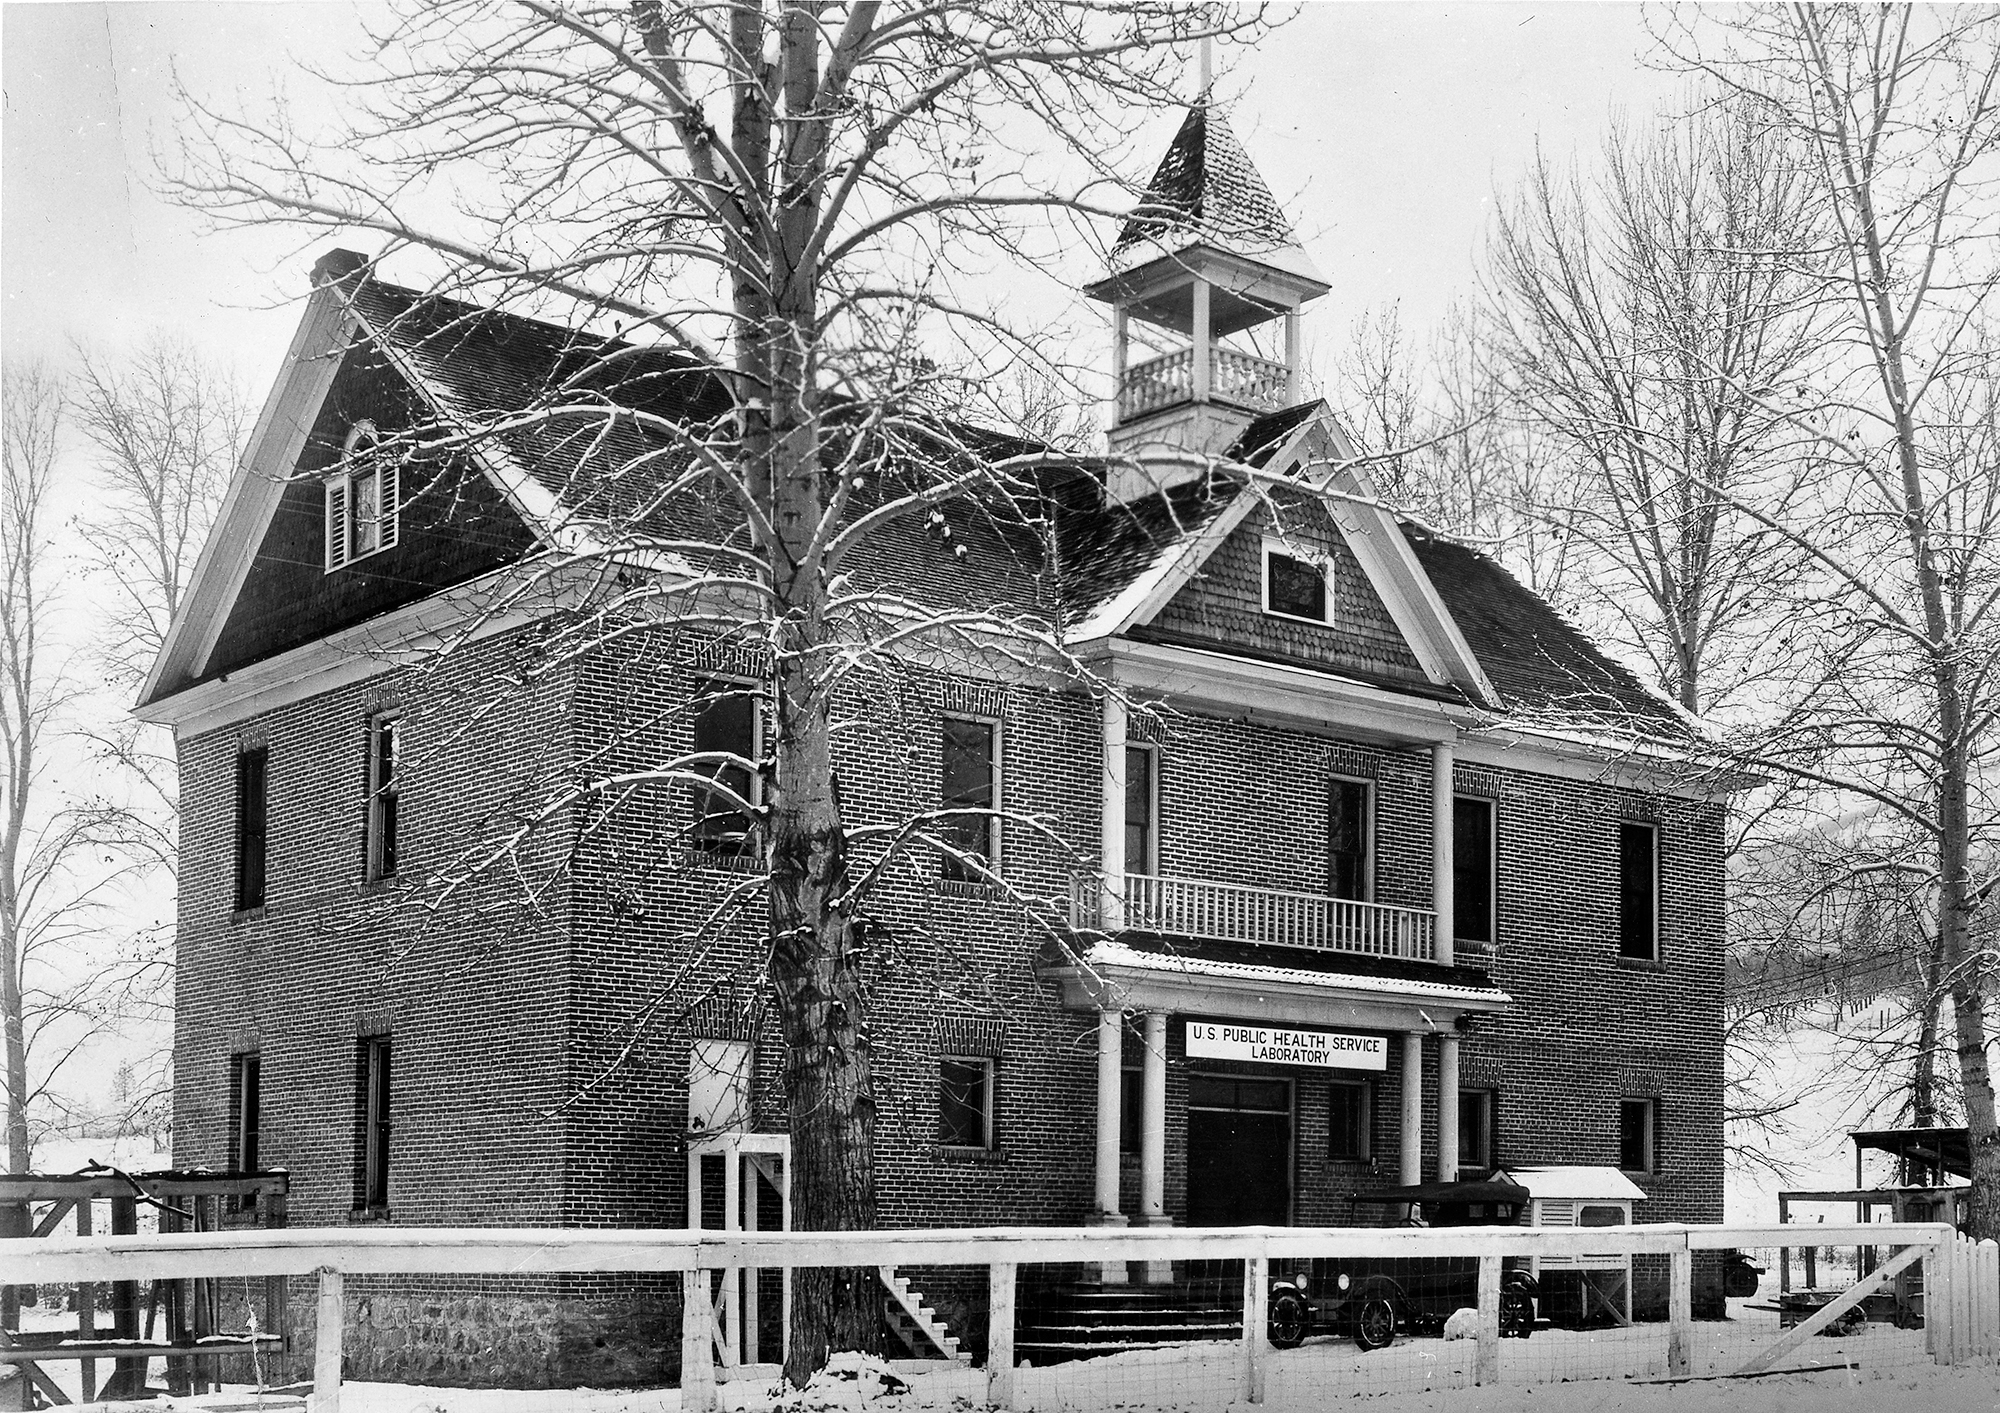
column 819, row 189
column 1892, row 119
column 1634, row 312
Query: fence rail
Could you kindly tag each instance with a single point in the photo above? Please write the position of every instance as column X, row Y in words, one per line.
column 1963, row 1318
column 1234, row 912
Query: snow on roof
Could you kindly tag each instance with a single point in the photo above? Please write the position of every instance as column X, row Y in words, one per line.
column 1575, row 1183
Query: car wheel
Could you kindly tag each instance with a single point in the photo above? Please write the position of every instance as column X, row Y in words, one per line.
column 1517, row 1315
column 1375, row 1323
column 1288, row 1321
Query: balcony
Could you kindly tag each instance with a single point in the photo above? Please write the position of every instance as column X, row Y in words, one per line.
column 1262, row 384
column 1271, row 917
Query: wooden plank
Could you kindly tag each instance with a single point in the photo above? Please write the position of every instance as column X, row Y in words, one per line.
column 1680, row 1313
column 128, row 1375
column 328, row 1337
column 112, row 1349
column 54, row 1219
column 50, row 1390
column 1000, row 1286
column 1487, row 1366
column 1256, row 1315
column 697, row 1344
column 70, row 1187
column 86, row 1307
column 1834, row 1309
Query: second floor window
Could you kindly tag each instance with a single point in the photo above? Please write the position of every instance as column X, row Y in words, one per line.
column 1472, row 869
column 971, row 782
column 1140, row 795
column 385, row 788
column 1638, row 891
column 252, row 797
column 1347, row 839
column 361, row 499
column 726, row 723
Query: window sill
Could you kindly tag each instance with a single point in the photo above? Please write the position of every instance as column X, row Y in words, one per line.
column 364, row 1215
column 952, row 1153
column 1641, row 964
column 1297, row 618
column 968, row 888
column 255, row 914
column 740, row 864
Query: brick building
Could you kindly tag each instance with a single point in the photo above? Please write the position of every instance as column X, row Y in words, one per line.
column 1331, row 776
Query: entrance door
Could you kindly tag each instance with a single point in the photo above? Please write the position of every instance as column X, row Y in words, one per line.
column 1239, row 1166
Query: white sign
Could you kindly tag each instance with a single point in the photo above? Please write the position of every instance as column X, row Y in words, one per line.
column 1273, row 1045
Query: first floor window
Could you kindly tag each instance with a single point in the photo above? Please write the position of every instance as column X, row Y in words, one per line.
column 1638, row 1122
column 252, row 812
column 965, row 1103
column 970, row 783
column 1293, row 586
column 1475, row 1128
column 1131, row 1110
column 1472, row 869
column 245, row 1102
column 1638, row 891
column 1347, row 839
column 384, row 793
column 1351, row 1120
column 371, row 1112
column 1140, row 796
column 727, row 723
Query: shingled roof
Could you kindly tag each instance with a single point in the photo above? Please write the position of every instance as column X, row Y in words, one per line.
column 1207, row 191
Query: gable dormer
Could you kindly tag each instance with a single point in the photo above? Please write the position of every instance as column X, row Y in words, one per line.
column 1205, row 286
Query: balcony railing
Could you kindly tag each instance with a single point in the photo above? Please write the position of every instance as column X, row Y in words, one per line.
column 1241, row 378
column 1232, row 912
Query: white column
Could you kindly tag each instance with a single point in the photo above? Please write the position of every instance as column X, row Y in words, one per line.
column 1111, row 842
column 1201, row 340
column 1447, row 1107
column 1153, row 1119
column 1295, row 387
column 1110, row 1054
column 1120, row 343
column 1412, row 1170
column 1441, row 863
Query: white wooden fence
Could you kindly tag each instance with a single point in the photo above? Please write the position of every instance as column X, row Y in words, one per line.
column 1962, row 1280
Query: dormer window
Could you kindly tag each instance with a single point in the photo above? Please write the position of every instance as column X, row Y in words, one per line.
column 1294, row 586
column 361, row 499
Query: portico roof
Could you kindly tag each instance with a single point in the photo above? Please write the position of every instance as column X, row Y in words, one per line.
column 1113, row 973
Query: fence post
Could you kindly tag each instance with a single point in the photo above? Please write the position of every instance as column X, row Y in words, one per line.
column 1680, row 1308
column 1487, row 1366
column 327, row 1340
column 697, row 1344
column 1000, row 1334
column 1256, row 1302
column 1938, row 1303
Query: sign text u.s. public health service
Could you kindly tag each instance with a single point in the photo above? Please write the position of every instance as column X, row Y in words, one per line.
column 1272, row 1045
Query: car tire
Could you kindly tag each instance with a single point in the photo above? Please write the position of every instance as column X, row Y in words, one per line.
column 1517, row 1315
column 1288, row 1321
column 1375, row 1323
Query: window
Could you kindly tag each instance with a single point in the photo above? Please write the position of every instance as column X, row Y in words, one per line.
column 971, row 782
column 1141, row 797
column 1475, row 1128
column 1131, row 1110
column 1351, row 1121
column 1637, row 1122
column 1472, row 869
column 361, row 499
column 965, row 1103
column 1347, row 839
column 371, row 1118
column 1638, row 891
column 245, row 1102
column 1293, row 586
column 727, row 722
column 385, row 788
column 251, row 806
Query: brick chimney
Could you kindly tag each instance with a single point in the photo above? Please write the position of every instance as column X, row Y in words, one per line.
column 336, row 265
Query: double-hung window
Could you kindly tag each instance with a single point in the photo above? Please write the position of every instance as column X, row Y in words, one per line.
column 245, row 1104
column 385, row 786
column 1476, row 1114
column 1350, row 1120
column 1638, row 891
column 252, row 812
column 1141, row 803
column 1472, row 869
column 970, row 799
column 361, row 499
column 1638, row 1135
column 371, row 1115
column 965, row 1102
column 728, row 729
column 1347, row 839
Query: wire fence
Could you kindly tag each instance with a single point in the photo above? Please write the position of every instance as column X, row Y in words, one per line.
column 1054, row 1318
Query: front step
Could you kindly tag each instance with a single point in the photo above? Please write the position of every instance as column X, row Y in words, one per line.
column 1088, row 1319
column 915, row 1323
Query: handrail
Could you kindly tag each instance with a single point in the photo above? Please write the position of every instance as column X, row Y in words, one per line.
column 1233, row 376
column 1276, row 917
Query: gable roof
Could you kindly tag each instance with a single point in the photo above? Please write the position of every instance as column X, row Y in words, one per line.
column 1207, row 191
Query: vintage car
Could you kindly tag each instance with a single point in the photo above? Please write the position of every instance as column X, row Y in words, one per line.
column 1372, row 1300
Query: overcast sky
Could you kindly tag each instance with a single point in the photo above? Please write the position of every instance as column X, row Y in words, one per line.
column 1385, row 128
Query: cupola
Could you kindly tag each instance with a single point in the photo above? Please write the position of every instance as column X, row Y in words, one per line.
column 1205, row 285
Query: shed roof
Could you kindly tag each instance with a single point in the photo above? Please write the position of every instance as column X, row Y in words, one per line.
column 1574, row 1183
